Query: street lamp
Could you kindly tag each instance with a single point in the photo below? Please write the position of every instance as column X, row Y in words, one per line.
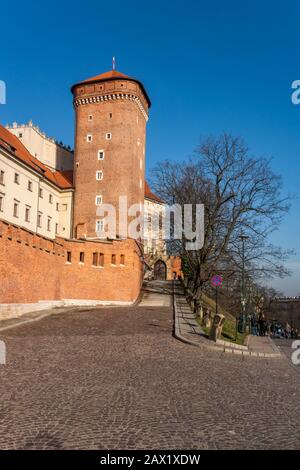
column 243, row 238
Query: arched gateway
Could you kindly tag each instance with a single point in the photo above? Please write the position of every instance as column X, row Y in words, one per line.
column 160, row 270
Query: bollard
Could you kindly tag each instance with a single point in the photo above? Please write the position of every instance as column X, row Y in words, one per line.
column 217, row 327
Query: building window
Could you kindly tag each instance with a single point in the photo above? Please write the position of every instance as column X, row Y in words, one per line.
column 90, row 117
column 20, row 135
column 57, row 206
column 29, row 186
column 101, row 260
column 41, row 193
column 27, row 214
column 39, row 220
column 108, row 136
column 16, row 208
column 113, row 259
column 99, row 226
column 98, row 200
column 89, row 138
column 49, row 224
column 81, row 257
column 95, row 259
column 64, row 207
column 122, row 259
column 99, row 175
column 17, row 178
column 69, row 256
column 2, row 177
column 1, row 202
column 100, row 154
column 50, row 199
column 110, row 115
column 56, row 229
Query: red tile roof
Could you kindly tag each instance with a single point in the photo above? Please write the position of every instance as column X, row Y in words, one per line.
column 10, row 142
column 150, row 195
column 112, row 75
column 106, row 76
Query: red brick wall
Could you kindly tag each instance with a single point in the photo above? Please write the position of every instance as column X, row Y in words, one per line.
column 174, row 266
column 33, row 268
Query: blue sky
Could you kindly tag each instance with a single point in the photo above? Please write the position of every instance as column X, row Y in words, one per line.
column 208, row 68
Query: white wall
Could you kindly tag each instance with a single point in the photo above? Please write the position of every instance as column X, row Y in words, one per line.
column 19, row 192
column 43, row 147
column 152, row 243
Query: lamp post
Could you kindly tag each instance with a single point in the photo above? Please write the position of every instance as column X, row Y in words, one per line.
column 243, row 238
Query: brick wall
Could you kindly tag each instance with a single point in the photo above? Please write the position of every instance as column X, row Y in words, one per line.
column 33, row 268
column 123, row 165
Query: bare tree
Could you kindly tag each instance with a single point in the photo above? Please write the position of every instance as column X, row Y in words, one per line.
column 241, row 195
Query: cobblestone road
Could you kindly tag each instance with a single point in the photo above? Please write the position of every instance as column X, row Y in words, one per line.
column 115, row 378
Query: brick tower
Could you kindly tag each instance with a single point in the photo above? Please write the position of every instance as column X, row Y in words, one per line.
column 111, row 115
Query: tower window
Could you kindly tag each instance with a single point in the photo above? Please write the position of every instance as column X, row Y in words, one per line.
column 99, row 225
column 69, row 256
column 113, row 260
column 122, row 259
column 89, row 138
column 98, row 200
column 101, row 154
column 81, row 257
column 110, row 115
column 20, row 135
column 101, row 260
column 108, row 136
column 90, row 118
column 99, row 175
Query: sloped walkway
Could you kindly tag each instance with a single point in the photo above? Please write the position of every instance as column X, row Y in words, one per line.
column 188, row 330
column 156, row 294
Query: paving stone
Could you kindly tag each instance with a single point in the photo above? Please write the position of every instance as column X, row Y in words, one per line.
column 115, row 378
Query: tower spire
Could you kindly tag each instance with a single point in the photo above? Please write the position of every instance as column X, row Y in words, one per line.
column 114, row 63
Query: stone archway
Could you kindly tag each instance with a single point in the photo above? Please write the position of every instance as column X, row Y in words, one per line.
column 160, row 270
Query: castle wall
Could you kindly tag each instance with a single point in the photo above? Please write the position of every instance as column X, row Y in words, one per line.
column 34, row 268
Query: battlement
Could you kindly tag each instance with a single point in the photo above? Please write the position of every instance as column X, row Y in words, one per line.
column 42, row 134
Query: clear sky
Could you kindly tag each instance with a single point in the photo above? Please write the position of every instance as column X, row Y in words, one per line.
column 208, row 67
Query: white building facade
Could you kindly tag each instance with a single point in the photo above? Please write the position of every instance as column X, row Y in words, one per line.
column 31, row 196
column 52, row 154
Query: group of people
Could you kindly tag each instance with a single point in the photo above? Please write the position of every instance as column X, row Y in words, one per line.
column 260, row 326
